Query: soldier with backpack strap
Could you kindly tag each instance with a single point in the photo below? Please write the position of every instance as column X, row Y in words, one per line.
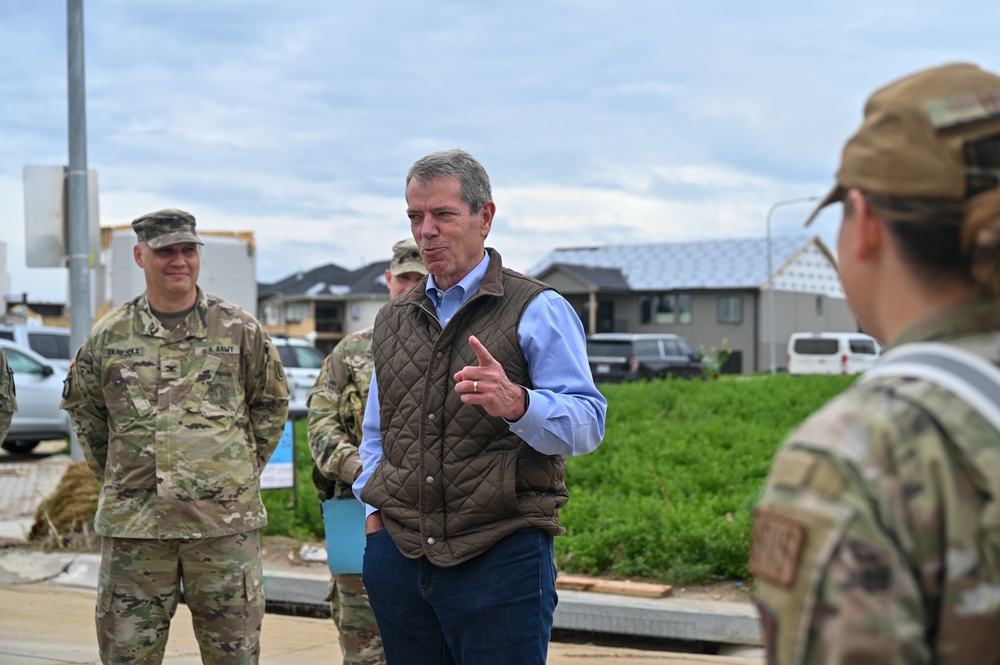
column 877, row 537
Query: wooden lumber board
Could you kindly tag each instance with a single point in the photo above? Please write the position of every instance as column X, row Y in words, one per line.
column 621, row 587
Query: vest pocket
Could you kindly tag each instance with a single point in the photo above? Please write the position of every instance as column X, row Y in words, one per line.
column 508, row 482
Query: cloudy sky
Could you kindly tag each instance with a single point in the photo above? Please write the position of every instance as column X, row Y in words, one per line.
column 598, row 121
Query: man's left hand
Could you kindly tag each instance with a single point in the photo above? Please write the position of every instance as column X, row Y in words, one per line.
column 487, row 385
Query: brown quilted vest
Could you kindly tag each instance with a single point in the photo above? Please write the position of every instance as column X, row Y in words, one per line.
column 454, row 480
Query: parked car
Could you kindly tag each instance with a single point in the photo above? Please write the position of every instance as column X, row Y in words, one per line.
column 39, row 388
column 302, row 362
column 618, row 357
column 48, row 341
column 831, row 353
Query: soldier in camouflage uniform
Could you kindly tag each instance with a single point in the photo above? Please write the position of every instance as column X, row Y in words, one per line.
column 178, row 399
column 8, row 400
column 876, row 537
column 336, row 411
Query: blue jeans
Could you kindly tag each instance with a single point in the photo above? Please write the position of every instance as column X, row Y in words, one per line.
column 495, row 609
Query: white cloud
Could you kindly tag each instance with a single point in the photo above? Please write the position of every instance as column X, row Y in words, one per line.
column 628, row 122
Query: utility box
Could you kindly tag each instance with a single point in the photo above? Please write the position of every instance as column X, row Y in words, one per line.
column 46, row 236
column 228, row 267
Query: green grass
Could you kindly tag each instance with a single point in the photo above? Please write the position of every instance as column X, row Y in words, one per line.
column 667, row 496
column 296, row 512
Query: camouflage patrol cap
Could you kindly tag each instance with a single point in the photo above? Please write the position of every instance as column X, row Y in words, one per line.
column 934, row 134
column 406, row 258
column 166, row 227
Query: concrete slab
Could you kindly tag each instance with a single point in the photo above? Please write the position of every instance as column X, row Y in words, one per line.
column 54, row 624
column 23, row 485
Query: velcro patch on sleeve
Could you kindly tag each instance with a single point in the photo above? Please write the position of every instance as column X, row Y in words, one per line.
column 778, row 542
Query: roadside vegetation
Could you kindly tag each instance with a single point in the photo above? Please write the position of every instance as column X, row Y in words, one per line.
column 667, row 496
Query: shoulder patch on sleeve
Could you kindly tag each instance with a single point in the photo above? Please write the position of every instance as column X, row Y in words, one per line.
column 792, row 468
column 778, row 541
column 797, row 468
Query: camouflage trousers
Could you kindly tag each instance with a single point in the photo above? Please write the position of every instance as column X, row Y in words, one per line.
column 140, row 583
column 359, row 638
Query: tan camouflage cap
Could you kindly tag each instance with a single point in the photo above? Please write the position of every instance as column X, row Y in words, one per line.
column 406, row 258
column 166, row 227
column 934, row 134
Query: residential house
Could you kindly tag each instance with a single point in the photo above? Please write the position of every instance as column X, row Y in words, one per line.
column 716, row 293
column 324, row 304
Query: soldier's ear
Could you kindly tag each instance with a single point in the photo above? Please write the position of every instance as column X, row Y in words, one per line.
column 137, row 255
column 868, row 232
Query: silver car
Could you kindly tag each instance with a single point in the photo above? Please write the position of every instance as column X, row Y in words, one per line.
column 39, row 387
column 302, row 362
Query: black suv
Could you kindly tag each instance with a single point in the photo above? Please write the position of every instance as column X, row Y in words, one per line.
column 618, row 357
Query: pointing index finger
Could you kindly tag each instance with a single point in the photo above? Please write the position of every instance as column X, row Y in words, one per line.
column 482, row 354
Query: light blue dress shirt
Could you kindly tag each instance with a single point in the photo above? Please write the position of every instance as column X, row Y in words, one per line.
column 566, row 412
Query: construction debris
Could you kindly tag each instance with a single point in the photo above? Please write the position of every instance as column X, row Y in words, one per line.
column 64, row 519
column 621, row 587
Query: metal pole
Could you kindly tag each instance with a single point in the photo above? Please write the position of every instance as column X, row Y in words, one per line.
column 770, row 271
column 77, row 222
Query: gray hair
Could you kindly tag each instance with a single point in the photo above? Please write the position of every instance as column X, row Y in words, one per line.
column 475, row 183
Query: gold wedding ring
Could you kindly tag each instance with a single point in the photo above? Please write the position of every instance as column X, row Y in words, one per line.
column 475, row 386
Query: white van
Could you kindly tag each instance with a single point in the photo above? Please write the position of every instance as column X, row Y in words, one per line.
column 831, row 353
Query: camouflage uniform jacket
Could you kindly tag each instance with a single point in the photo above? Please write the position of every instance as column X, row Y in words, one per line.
column 336, row 410
column 8, row 399
column 877, row 538
column 177, row 425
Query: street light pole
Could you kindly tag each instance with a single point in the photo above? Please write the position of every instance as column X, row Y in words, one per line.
column 77, row 207
column 770, row 269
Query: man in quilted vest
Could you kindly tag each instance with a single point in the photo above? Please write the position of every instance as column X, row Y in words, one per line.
column 336, row 409
column 481, row 388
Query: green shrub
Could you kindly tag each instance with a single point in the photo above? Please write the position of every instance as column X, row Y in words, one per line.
column 667, row 496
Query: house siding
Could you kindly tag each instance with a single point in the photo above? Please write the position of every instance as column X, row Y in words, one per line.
column 797, row 312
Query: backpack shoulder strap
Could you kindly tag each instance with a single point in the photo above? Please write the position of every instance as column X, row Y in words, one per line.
column 972, row 378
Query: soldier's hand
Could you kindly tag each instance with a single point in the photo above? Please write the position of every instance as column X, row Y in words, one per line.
column 487, row 385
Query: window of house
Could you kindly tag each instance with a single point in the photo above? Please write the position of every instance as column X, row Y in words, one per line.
column 297, row 312
column 271, row 314
column 731, row 309
column 685, row 307
column 665, row 308
column 819, row 305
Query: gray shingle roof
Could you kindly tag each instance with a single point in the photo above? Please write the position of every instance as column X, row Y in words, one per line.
column 330, row 279
column 709, row 264
column 604, row 279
